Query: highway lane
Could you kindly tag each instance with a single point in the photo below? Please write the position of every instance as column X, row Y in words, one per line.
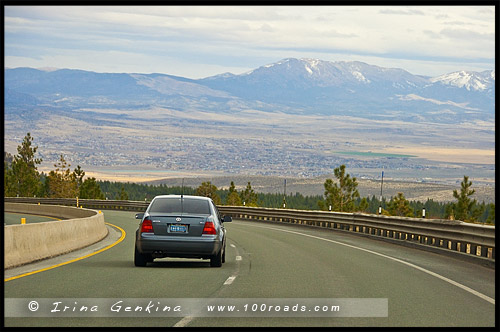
column 267, row 260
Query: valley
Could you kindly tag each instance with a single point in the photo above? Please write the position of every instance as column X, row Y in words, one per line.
column 151, row 145
column 294, row 119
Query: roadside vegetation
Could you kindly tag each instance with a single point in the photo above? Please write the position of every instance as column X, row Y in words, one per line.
column 22, row 179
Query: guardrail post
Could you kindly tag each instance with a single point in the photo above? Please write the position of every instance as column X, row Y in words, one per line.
column 473, row 249
column 484, row 251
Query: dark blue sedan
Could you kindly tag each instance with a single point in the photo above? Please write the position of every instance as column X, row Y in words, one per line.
column 181, row 226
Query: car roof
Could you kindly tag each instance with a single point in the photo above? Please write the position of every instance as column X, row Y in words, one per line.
column 184, row 196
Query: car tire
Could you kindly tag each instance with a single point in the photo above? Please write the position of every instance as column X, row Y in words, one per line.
column 224, row 255
column 139, row 259
column 216, row 260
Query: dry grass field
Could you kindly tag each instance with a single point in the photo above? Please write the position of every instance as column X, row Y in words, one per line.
column 166, row 145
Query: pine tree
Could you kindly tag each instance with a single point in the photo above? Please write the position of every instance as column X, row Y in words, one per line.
column 464, row 207
column 233, row 197
column 249, row 197
column 399, row 206
column 341, row 196
column 22, row 178
column 363, row 205
column 491, row 214
column 207, row 189
column 90, row 189
column 62, row 182
column 79, row 174
column 123, row 194
column 9, row 185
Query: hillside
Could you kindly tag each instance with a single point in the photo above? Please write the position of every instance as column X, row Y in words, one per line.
column 314, row 186
column 295, row 118
column 305, row 86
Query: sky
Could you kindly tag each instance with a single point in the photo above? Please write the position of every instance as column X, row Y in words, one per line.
column 202, row 41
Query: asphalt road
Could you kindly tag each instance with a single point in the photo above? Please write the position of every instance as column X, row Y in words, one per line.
column 265, row 261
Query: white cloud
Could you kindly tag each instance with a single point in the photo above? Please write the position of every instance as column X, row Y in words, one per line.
column 426, row 38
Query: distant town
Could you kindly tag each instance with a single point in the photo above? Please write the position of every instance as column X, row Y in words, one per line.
column 270, row 157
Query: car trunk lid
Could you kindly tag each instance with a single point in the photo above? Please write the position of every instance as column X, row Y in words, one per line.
column 178, row 225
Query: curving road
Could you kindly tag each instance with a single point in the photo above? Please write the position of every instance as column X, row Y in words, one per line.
column 266, row 261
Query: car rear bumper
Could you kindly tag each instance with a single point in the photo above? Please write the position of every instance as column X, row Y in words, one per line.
column 168, row 246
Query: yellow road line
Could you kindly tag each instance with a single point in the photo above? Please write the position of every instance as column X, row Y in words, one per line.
column 76, row 259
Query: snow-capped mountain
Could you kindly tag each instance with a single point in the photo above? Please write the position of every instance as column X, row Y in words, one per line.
column 469, row 80
column 316, row 86
column 307, row 86
column 310, row 73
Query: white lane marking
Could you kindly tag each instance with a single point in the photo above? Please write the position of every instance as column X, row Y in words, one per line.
column 229, row 280
column 470, row 290
column 184, row 321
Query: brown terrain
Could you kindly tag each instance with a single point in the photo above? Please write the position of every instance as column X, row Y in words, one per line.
column 418, row 191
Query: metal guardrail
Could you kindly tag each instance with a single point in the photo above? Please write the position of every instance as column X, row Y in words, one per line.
column 464, row 239
column 86, row 203
column 477, row 241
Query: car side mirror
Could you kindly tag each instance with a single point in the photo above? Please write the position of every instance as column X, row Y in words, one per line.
column 227, row 219
column 139, row 215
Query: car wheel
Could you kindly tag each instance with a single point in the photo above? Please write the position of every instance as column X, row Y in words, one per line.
column 216, row 260
column 139, row 259
column 224, row 255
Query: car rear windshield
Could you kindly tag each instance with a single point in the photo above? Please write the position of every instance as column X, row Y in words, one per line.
column 175, row 205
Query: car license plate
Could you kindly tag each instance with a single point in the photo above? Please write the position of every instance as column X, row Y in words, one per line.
column 178, row 229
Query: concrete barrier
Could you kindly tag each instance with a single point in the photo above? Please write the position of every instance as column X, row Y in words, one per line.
column 28, row 243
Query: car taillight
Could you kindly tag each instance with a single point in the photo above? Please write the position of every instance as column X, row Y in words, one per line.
column 147, row 226
column 209, row 228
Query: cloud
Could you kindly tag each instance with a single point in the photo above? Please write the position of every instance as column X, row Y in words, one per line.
column 460, row 35
column 241, row 36
column 401, row 12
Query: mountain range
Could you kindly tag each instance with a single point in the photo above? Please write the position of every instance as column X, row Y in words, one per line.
column 294, row 86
